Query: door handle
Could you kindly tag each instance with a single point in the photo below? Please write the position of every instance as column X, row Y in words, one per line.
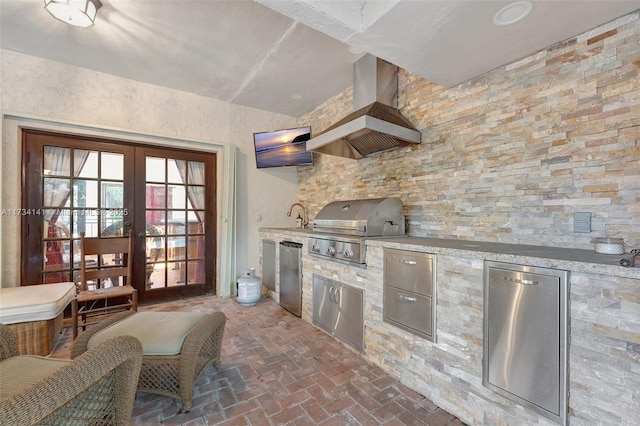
column 408, row 262
column 127, row 224
column 519, row 281
column 336, row 296
column 406, row 298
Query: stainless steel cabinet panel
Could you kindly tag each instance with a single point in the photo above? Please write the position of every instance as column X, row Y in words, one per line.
column 409, row 311
column 410, row 271
column 324, row 310
column 409, row 292
column 525, row 336
column 349, row 319
column 291, row 277
column 269, row 264
column 338, row 308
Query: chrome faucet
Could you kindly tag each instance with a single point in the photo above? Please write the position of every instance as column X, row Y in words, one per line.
column 305, row 218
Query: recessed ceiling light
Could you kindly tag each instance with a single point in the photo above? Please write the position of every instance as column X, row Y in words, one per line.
column 512, row 13
column 295, row 96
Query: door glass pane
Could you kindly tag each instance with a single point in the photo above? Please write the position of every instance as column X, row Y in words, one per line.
column 112, row 223
column 196, row 197
column 176, row 197
column 85, row 193
column 155, row 169
column 112, row 166
column 57, row 161
column 175, row 248
column 195, row 271
column 156, row 275
column 195, row 218
column 56, row 192
column 176, row 274
column 155, row 249
column 155, row 196
column 112, row 195
column 196, row 247
column 85, row 220
column 155, row 222
column 175, row 222
column 57, row 255
column 85, row 163
column 177, row 170
column 196, row 173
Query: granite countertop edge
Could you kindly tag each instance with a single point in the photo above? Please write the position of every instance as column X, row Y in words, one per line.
column 576, row 260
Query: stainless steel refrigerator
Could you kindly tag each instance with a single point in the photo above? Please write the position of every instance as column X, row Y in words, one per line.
column 291, row 277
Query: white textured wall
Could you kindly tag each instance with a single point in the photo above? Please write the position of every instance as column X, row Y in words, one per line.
column 48, row 92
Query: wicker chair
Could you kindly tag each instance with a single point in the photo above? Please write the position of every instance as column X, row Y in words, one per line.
column 171, row 375
column 97, row 388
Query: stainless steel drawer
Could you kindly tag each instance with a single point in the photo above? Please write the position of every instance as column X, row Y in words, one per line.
column 410, row 271
column 408, row 310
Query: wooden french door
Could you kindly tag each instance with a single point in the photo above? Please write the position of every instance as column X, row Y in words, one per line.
column 105, row 188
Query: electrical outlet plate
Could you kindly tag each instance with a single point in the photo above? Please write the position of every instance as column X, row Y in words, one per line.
column 582, row 222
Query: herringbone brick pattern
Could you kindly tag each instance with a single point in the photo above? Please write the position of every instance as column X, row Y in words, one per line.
column 279, row 370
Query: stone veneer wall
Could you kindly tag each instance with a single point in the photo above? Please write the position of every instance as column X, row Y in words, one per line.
column 510, row 156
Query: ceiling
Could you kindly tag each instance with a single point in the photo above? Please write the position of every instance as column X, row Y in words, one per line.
column 289, row 56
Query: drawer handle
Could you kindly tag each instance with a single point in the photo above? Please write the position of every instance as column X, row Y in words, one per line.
column 408, row 262
column 406, row 298
column 519, row 281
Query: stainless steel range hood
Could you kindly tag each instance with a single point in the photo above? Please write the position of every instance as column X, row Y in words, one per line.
column 376, row 125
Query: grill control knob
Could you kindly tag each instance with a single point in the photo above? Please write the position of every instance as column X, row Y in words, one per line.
column 315, row 248
column 331, row 251
column 348, row 254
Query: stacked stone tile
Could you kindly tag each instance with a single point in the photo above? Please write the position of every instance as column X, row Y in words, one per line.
column 510, row 156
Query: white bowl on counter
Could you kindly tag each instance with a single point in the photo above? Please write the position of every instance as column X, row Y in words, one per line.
column 609, row 245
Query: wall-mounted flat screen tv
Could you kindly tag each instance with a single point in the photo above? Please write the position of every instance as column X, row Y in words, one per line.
column 280, row 148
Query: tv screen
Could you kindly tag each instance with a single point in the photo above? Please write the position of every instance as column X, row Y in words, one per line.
column 280, row 148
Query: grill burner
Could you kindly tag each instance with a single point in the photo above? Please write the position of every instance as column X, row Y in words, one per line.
column 342, row 227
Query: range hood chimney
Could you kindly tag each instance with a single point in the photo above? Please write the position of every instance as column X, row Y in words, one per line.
column 376, row 125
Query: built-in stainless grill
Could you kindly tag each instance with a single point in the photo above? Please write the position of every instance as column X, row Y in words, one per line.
column 341, row 227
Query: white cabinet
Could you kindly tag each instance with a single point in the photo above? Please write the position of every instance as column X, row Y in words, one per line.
column 338, row 309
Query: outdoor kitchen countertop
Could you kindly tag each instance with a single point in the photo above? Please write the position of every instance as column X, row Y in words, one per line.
column 578, row 260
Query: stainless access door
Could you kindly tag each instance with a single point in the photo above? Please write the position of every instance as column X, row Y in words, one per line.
column 269, row 264
column 525, row 336
column 349, row 324
column 291, row 277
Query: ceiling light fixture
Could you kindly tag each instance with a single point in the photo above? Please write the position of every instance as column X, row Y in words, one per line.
column 512, row 13
column 79, row 13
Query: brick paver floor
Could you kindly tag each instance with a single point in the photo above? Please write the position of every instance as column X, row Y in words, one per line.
column 278, row 369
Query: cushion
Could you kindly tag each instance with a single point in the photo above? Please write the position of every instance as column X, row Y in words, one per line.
column 20, row 372
column 34, row 302
column 161, row 333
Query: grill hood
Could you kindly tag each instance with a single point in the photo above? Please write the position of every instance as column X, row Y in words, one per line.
column 369, row 217
column 376, row 125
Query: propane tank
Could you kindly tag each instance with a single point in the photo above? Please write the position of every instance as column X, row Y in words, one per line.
column 249, row 288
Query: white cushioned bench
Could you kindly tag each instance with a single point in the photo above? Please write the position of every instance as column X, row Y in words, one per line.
column 35, row 314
